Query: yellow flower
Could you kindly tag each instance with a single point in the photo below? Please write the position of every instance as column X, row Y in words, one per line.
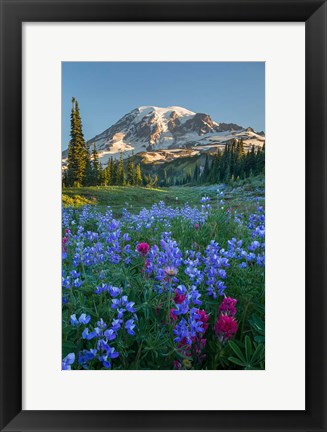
column 187, row 363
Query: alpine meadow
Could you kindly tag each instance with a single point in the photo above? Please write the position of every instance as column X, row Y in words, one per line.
column 163, row 217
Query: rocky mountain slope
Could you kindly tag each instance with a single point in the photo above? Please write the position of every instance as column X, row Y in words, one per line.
column 163, row 134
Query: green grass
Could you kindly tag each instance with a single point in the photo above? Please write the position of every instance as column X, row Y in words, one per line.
column 136, row 198
column 75, row 200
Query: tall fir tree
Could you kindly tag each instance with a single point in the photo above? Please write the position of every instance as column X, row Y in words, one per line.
column 71, row 148
column 81, row 149
column 88, row 175
column 138, row 175
column 102, row 175
column 96, row 167
column 196, row 173
column 77, row 150
column 108, row 174
column 114, row 172
column 121, row 173
column 131, row 170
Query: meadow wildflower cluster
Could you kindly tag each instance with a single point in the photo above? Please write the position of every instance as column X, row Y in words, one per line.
column 166, row 288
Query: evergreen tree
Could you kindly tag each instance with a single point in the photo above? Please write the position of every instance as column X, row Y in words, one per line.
column 240, row 151
column 121, row 173
column 233, row 157
column 226, row 163
column 131, row 170
column 154, row 182
column 102, row 175
column 206, row 170
column 146, row 180
column 227, row 173
column 77, row 150
column 251, row 163
column 263, row 159
column 213, row 170
column 165, row 178
column 71, row 148
column 96, row 167
column 88, row 175
column 114, row 172
column 81, row 152
column 232, row 164
column 64, row 178
column 138, row 175
column 133, row 166
column 196, row 173
column 108, row 174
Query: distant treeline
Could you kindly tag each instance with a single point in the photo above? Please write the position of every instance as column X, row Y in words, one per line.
column 84, row 168
column 226, row 165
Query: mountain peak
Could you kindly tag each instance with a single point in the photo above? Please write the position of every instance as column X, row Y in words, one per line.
column 162, row 114
column 177, row 109
column 150, row 128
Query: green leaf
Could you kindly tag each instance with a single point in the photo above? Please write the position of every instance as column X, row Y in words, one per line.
column 259, row 339
column 248, row 348
column 68, row 347
column 258, row 354
column 259, row 307
column 236, row 361
column 237, row 351
column 257, row 324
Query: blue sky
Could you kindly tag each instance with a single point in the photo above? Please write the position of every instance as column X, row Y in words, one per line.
column 227, row 91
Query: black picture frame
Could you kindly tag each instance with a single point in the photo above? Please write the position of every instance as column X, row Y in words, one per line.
column 13, row 14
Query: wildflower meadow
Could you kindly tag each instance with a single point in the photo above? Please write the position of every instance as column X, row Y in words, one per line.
column 176, row 286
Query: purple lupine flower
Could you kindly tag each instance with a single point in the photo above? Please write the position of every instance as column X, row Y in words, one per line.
column 68, row 361
column 129, row 325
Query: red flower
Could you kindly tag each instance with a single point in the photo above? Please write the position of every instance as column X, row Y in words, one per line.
column 227, row 307
column 64, row 244
column 179, row 298
column 177, row 365
column 204, row 318
column 196, row 226
column 184, row 344
column 172, row 315
column 225, row 327
column 143, row 248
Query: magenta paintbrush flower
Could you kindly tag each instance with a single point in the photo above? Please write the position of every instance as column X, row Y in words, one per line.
column 143, row 248
column 225, row 327
column 227, row 307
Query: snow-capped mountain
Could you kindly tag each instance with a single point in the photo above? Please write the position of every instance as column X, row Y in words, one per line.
column 154, row 129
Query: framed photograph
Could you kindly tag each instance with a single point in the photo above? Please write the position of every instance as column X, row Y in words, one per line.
column 163, row 215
